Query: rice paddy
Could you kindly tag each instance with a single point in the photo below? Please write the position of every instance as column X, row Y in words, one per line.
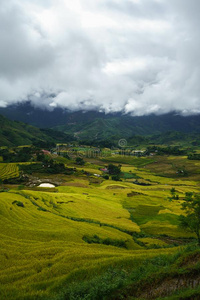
column 50, row 239
column 8, row 170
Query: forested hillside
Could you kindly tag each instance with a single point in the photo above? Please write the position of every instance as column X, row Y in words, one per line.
column 14, row 133
column 97, row 125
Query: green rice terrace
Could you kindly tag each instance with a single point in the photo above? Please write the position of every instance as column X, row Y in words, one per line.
column 95, row 235
column 8, row 171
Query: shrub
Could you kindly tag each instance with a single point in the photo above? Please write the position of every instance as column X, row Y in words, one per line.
column 116, row 178
column 18, row 203
column 95, row 239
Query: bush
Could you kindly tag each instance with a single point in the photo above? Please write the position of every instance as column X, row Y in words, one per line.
column 116, row 178
column 18, row 203
column 80, row 161
column 98, row 288
column 114, row 170
column 95, row 239
column 20, row 187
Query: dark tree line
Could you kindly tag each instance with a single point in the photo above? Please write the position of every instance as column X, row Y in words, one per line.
column 17, row 155
column 165, row 150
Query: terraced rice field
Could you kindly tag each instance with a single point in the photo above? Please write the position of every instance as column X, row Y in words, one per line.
column 49, row 240
column 42, row 246
column 8, row 170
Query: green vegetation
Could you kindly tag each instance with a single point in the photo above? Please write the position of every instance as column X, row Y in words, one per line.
column 19, row 155
column 114, row 170
column 194, row 156
column 14, row 133
column 18, row 203
column 130, row 160
column 95, row 239
column 80, row 161
column 115, row 227
column 191, row 220
column 47, row 166
column 155, row 278
column 174, row 195
column 8, row 171
column 165, row 150
column 98, row 129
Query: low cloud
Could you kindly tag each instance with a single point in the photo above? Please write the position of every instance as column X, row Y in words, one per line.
column 133, row 56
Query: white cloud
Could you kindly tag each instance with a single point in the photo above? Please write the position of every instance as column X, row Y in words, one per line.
column 132, row 56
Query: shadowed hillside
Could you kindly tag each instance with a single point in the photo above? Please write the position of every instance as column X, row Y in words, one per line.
column 14, row 133
column 97, row 125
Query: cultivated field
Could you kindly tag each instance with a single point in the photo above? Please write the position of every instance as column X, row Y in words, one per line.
column 49, row 240
column 8, row 170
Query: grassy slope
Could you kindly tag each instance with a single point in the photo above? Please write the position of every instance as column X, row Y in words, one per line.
column 42, row 248
column 13, row 133
column 171, row 277
column 105, row 126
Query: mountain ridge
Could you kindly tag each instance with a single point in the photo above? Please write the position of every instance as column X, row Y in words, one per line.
column 16, row 133
column 94, row 125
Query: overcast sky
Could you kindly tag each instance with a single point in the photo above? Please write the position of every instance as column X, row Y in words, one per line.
column 134, row 56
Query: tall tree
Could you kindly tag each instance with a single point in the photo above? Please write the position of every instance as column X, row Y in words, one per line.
column 191, row 219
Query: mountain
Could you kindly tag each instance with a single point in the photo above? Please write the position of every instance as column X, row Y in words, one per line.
column 99, row 126
column 44, row 118
column 15, row 133
column 93, row 125
column 125, row 126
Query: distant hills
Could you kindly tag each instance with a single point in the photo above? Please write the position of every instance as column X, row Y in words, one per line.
column 15, row 133
column 125, row 126
column 93, row 125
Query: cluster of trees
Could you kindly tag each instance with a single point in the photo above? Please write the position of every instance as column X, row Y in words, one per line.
column 194, row 156
column 174, row 195
column 115, row 171
column 191, row 207
column 80, row 161
column 99, row 143
column 24, row 154
column 44, row 144
column 191, row 218
column 46, row 166
column 28, row 153
column 165, row 150
column 16, row 155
